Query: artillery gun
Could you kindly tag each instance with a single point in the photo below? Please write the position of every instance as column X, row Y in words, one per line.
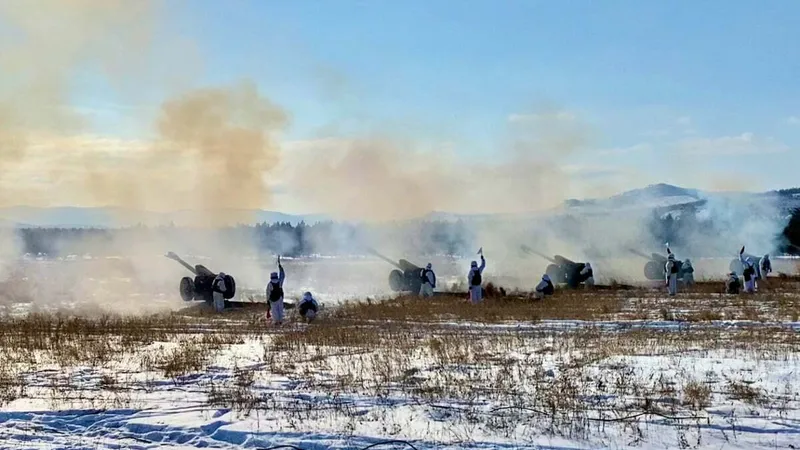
column 407, row 277
column 200, row 288
column 655, row 268
column 561, row 269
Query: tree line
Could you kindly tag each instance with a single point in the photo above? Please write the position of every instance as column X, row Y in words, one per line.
column 284, row 238
column 455, row 238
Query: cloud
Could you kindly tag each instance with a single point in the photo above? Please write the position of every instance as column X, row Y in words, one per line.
column 743, row 144
column 793, row 120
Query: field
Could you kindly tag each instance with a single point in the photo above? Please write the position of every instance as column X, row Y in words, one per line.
column 616, row 367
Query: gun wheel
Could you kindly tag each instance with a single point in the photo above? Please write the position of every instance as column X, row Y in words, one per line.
column 230, row 287
column 653, row 270
column 187, row 289
column 396, row 280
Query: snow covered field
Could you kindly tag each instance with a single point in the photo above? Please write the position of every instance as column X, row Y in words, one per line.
column 615, row 368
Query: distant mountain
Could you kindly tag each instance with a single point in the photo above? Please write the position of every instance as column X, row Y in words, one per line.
column 658, row 197
column 666, row 197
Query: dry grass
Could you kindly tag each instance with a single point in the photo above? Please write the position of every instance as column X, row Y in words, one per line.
column 186, row 357
column 578, row 305
column 696, row 394
column 427, row 352
column 705, row 315
column 739, row 390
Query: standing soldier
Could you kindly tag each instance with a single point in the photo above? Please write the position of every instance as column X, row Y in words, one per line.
column 587, row 276
column 687, row 273
column 671, row 272
column 275, row 294
column 749, row 272
column 428, row 281
column 764, row 267
column 475, row 279
column 218, row 292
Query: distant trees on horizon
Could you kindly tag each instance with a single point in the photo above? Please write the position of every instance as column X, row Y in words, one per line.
column 335, row 239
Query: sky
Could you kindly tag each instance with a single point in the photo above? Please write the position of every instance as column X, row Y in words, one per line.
column 696, row 93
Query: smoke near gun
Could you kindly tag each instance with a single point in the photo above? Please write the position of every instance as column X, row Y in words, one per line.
column 381, row 181
column 210, row 150
column 207, row 150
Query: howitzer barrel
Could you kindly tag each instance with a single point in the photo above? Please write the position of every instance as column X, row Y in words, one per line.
column 658, row 257
column 394, row 263
column 564, row 261
column 638, row 253
column 180, row 261
column 527, row 249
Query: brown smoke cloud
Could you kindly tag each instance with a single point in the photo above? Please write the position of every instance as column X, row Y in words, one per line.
column 209, row 148
column 380, row 179
column 213, row 148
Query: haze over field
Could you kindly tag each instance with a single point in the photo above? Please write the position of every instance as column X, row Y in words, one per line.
column 167, row 107
column 323, row 133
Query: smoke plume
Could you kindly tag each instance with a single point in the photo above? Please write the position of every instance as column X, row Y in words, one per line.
column 212, row 149
column 207, row 149
column 384, row 179
column 204, row 149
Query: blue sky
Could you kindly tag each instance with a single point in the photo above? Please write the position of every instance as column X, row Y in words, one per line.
column 667, row 87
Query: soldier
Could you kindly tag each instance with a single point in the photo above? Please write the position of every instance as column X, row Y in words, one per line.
column 544, row 288
column 732, row 284
column 687, row 271
column 587, row 275
column 428, row 281
column 764, row 267
column 749, row 274
column 218, row 292
column 671, row 272
column 275, row 294
column 308, row 307
column 475, row 279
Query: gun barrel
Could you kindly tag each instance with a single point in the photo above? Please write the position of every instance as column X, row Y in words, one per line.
column 527, row 249
column 638, row 253
column 180, row 261
column 375, row 253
